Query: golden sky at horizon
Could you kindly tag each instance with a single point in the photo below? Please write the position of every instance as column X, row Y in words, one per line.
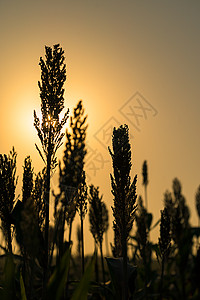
column 113, row 50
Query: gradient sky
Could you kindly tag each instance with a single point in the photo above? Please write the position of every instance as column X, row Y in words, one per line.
column 114, row 49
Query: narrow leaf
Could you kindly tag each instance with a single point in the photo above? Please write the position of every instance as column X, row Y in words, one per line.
column 81, row 291
column 40, row 153
column 57, row 282
column 23, row 292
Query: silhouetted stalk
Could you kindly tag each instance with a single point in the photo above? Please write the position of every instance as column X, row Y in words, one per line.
column 9, row 242
column 145, row 274
column 161, row 278
column 82, row 246
column 145, row 191
column 53, row 76
column 54, row 240
column 96, row 263
column 164, row 244
column 145, row 180
column 124, row 192
column 106, row 243
column 8, row 184
column 70, row 231
column 47, row 194
column 61, row 251
column 197, row 200
column 124, row 254
column 82, row 210
column 102, row 264
column 98, row 217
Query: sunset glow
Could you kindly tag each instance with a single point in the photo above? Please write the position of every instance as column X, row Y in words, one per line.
column 116, row 53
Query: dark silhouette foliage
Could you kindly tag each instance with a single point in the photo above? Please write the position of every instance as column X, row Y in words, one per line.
column 8, row 182
column 73, row 160
column 124, row 192
column 164, row 243
column 81, row 207
column 53, row 76
column 98, row 215
column 27, row 179
column 145, row 180
column 165, row 234
column 197, row 202
column 145, row 173
column 70, row 177
column 38, row 196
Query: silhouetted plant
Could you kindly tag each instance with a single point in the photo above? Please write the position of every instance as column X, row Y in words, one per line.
column 142, row 230
column 28, row 219
column 197, row 200
column 143, row 222
column 145, row 180
column 24, row 218
column 8, row 182
column 196, row 274
column 124, row 193
column 181, row 232
column 70, row 174
column 27, row 179
column 38, row 196
column 164, row 243
column 106, row 235
column 82, row 210
column 169, row 203
column 98, row 217
column 53, row 76
column 78, row 234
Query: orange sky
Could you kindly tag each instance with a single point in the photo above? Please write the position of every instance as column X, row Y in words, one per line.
column 113, row 49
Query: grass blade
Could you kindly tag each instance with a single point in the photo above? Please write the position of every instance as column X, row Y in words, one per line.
column 58, row 280
column 23, row 292
column 81, row 291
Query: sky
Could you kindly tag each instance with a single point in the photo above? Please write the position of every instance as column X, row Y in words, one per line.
column 131, row 62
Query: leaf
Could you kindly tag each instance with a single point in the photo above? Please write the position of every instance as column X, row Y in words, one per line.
column 40, row 153
column 57, row 282
column 156, row 249
column 149, row 220
column 23, row 292
column 81, row 291
column 9, row 278
column 156, row 224
column 4, row 249
column 115, row 266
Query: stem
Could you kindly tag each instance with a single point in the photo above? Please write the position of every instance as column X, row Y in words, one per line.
column 161, row 278
column 61, row 242
column 9, row 241
column 82, row 248
column 54, row 240
column 70, row 231
column 124, row 253
column 145, row 191
column 46, row 198
column 106, row 240
column 143, row 254
column 96, row 263
column 102, row 264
